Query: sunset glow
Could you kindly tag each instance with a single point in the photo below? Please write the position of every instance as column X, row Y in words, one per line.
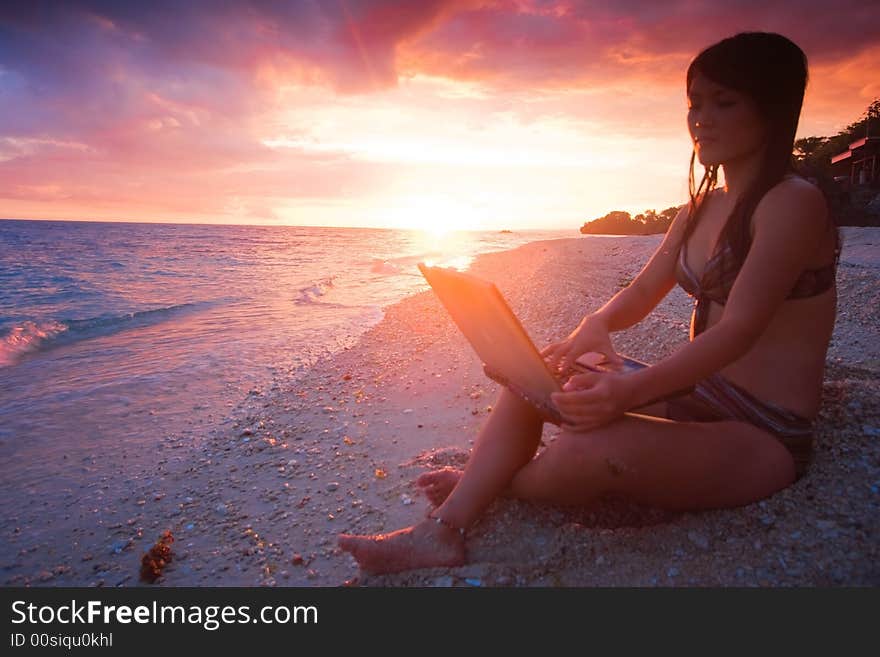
column 446, row 114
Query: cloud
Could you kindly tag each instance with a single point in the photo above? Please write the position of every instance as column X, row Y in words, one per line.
column 169, row 105
column 566, row 43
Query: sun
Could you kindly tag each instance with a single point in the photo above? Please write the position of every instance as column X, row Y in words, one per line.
column 437, row 231
column 436, row 215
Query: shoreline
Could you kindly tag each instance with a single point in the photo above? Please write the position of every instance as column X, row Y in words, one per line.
column 261, row 498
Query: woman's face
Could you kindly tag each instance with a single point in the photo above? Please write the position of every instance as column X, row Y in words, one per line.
column 725, row 125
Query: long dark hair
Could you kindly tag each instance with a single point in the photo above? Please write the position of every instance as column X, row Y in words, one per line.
column 772, row 71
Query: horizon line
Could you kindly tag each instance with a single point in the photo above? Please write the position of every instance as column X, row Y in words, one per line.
column 251, row 225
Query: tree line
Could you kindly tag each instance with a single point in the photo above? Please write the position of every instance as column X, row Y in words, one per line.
column 618, row 222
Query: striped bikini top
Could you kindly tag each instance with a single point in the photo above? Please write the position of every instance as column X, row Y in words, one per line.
column 720, row 273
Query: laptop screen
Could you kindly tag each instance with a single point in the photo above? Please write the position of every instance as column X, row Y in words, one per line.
column 495, row 333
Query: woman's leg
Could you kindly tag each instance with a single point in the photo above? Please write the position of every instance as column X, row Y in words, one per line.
column 661, row 463
column 438, row 484
column 507, row 441
column 658, row 462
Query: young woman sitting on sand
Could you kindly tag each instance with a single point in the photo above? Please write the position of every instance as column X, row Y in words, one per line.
column 759, row 256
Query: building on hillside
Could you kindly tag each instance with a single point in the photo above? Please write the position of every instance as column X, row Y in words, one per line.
column 859, row 165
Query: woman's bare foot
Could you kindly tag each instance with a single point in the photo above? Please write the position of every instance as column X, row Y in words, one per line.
column 424, row 545
column 437, row 484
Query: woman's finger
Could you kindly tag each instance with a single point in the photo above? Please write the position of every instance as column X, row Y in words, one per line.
column 581, row 381
column 612, row 355
column 584, row 396
column 557, row 361
column 581, row 427
column 567, row 361
column 583, row 414
column 549, row 349
column 553, row 347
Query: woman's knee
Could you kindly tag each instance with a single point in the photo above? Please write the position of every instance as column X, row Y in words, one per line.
column 569, row 471
column 574, row 457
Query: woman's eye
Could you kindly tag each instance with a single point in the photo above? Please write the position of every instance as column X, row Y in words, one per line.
column 726, row 103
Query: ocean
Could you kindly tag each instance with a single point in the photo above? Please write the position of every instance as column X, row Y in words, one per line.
column 131, row 332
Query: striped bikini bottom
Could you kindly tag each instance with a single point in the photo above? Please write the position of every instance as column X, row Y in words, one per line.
column 715, row 399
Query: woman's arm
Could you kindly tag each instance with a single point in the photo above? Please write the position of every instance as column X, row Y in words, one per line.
column 633, row 303
column 626, row 308
column 789, row 226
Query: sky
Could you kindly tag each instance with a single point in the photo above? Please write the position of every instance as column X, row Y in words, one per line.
column 461, row 114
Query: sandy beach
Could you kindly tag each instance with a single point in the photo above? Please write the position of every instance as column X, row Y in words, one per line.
column 260, row 498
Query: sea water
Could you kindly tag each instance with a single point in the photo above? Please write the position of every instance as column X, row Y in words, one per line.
column 130, row 332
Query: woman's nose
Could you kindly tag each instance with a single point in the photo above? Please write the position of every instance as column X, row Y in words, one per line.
column 702, row 122
column 702, row 118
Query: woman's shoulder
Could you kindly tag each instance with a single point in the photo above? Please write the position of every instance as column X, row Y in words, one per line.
column 794, row 212
column 794, row 188
column 794, row 202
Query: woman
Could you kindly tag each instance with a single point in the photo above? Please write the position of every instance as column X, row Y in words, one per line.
column 759, row 256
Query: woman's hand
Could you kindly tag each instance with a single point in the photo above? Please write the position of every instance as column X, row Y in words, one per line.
column 593, row 399
column 590, row 335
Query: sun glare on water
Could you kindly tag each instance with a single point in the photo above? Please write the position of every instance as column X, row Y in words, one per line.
column 443, row 228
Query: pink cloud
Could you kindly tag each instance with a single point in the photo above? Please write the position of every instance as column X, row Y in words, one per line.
column 565, row 43
column 164, row 104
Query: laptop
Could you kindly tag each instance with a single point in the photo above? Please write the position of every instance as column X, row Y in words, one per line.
column 509, row 356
